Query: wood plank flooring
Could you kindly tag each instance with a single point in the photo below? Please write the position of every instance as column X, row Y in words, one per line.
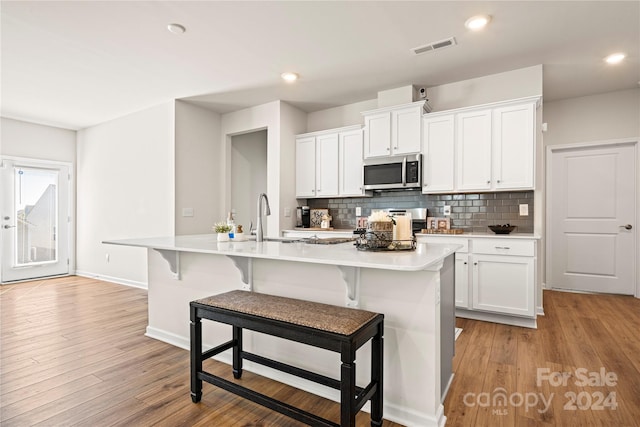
column 73, row 352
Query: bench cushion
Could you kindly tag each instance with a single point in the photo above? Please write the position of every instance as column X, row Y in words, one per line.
column 324, row 317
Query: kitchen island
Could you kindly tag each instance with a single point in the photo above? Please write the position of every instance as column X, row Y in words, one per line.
column 413, row 289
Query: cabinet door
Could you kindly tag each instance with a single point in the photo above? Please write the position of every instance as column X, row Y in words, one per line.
column 327, row 165
column 306, row 167
column 462, row 280
column 438, row 161
column 405, row 130
column 513, row 147
column 474, row 150
column 351, row 163
column 504, row 284
column 377, row 135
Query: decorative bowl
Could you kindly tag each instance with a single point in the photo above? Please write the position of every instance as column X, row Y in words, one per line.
column 502, row 229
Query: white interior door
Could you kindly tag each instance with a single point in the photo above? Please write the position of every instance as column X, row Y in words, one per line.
column 592, row 210
column 35, row 219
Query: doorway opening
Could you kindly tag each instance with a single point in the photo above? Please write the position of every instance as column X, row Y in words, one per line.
column 248, row 175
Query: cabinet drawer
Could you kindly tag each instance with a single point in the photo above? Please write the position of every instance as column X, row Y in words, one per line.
column 445, row 240
column 504, row 247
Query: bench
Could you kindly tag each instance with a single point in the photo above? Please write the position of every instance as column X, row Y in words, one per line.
column 339, row 329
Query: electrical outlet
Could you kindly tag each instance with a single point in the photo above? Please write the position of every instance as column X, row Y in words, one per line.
column 107, row 258
column 524, row 210
column 287, row 212
column 186, row 212
column 358, row 211
column 446, row 210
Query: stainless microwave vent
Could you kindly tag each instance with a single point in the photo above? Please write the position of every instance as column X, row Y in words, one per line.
column 451, row 41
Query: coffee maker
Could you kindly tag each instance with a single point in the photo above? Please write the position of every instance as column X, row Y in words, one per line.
column 303, row 217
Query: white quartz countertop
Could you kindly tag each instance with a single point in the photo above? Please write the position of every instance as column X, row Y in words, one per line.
column 528, row 236
column 426, row 256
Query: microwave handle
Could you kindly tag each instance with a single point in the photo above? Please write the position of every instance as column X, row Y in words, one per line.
column 404, row 171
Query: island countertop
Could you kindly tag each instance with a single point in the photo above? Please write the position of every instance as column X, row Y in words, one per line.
column 426, row 255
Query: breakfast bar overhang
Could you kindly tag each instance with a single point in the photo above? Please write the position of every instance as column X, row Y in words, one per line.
column 413, row 289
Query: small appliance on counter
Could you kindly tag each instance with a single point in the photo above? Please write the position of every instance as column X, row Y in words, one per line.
column 303, row 217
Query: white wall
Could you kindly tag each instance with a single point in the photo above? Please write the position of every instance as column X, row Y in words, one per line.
column 125, row 190
column 197, row 145
column 482, row 90
column 30, row 140
column 248, row 175
column 292, row 122
column 611, row 115
column 282, row 123
column 344, row 115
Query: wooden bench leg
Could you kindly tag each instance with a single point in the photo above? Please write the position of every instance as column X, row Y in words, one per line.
column 196, row 356
column 237, row 352
column 377, row 363
column 348, row 387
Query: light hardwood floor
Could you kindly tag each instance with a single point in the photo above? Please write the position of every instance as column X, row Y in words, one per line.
column 73, row 352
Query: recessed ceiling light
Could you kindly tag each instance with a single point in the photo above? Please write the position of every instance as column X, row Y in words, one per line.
column 477, row 22
column 176, row 28
column 615, row 58
column 289, row 77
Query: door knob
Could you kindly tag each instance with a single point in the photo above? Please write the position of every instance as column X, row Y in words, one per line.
column 627, row 227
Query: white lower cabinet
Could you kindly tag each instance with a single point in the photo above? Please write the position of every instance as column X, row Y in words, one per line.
column 462, row 280
column 503, row 284
column 495, row 278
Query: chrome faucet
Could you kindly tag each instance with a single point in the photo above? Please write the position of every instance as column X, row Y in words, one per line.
column 262, row 211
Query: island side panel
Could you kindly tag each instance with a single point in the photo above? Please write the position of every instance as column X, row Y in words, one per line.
column 408, row 299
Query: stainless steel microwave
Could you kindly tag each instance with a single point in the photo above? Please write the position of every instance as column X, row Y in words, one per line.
column 391, row 173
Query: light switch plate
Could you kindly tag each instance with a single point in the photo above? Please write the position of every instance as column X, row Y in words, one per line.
column 446, row 210
column 358, row 211
column 287, row 212
column 524, row 210
column 187, row 211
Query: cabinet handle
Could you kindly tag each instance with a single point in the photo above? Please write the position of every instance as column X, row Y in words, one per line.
column 387, row 148
column 627, row 227
column 465, row 263
column 498, row 181
column 475, row 263
column 503, row 247
column 395, row 148
column 488, row 182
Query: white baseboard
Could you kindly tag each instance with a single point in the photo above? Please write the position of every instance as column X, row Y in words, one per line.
column 126, row 282
column 497, row 318
column 391, row 412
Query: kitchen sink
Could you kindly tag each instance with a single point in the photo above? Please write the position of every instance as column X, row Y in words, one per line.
column 309, row 240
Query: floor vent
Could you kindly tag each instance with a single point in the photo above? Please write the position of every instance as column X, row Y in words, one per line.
column 451, row 41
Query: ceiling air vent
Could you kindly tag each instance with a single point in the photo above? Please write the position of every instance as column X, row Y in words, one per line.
column 434, row 46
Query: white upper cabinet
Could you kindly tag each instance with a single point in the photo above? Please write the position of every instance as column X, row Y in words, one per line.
column 493, row 148
column 377, row 135
column 474, row 150
column 513, row 146
column 438, row 140
column 405, row 130
column 393, row 131
column 350, row 154
column 306, row 167
column 329, row 163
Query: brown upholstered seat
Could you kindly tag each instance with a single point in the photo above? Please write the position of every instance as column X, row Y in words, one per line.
column 324, row 317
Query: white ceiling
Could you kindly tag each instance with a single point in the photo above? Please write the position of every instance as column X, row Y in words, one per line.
column 74, row 64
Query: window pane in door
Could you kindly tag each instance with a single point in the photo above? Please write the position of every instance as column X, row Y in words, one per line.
column 36, row 201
